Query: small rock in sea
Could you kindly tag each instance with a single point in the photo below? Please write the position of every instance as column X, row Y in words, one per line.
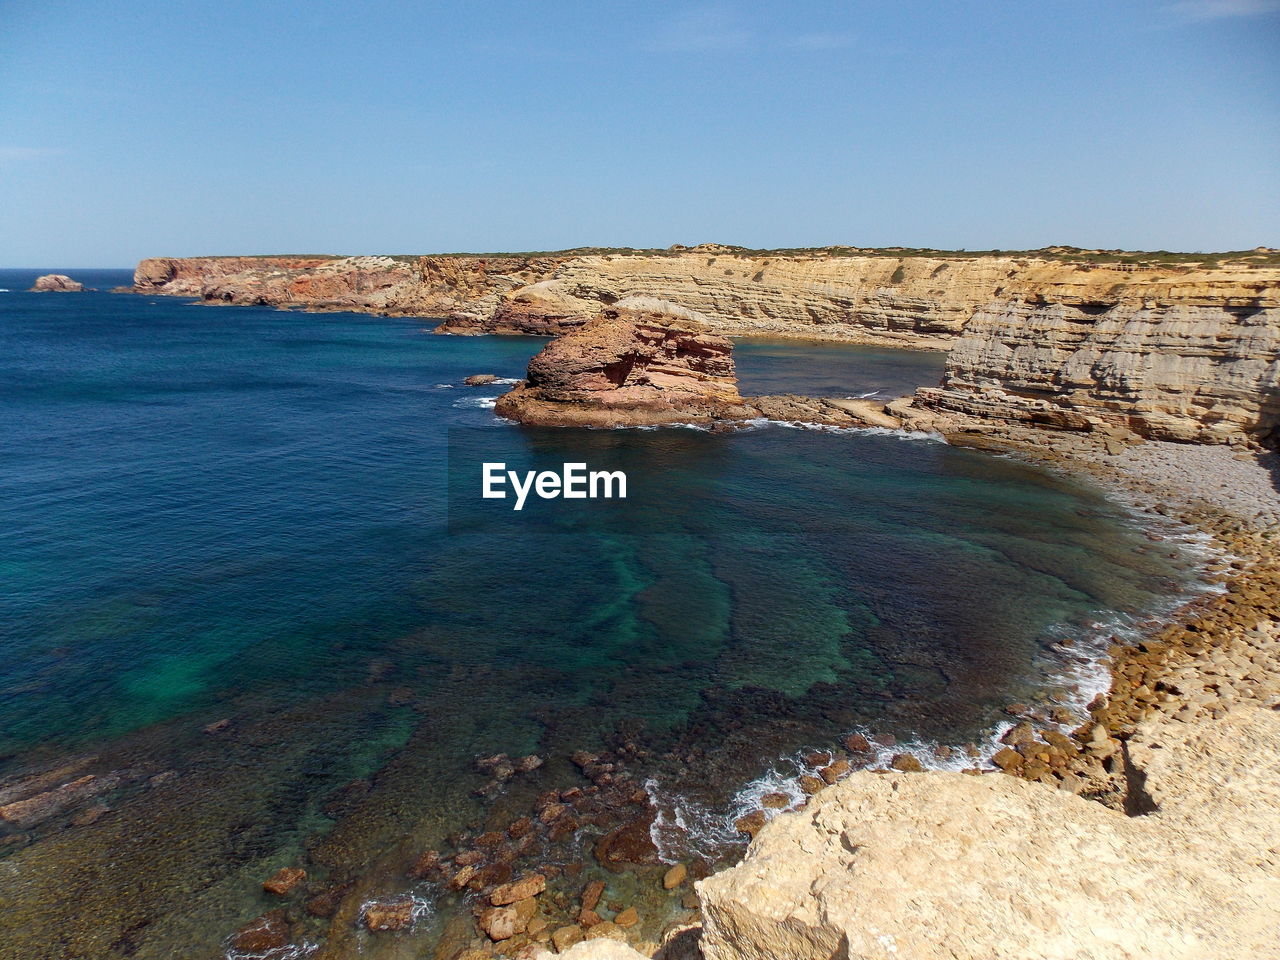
column 885, row 739
column 857, row 743
column 528, row 764
column 218, row 725
column 325, row 903
column 942, row 752
column 1016, row 709
column 490, row 839
column 467, row 858
column 565, row 937
column 265, row 935
column 591, row 894
column 552, row 812
column 751, row 824
column 835, row 771
column 519, row 828
column 606, row 928
column 479, row 379
column 627, row 918
column 811, row 785
column 284, row 880
column 394, row 914
column 775, row 801
column 675, row 876
column 56, row 283
column 1007, row 759
column 462, row 877
column 588, row 919
column 819, row 758
column 426, row 867
column 906, row 763
column 528, row 886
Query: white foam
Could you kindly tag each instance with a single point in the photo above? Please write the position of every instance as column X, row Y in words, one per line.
column 292, row 951
column 481, row 403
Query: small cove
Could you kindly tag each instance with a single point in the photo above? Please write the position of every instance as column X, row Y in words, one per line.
column 260, row 516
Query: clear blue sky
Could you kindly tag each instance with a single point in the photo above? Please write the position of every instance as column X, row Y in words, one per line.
column 144, row 128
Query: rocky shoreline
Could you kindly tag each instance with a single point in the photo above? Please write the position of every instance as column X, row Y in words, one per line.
column 1209, row 674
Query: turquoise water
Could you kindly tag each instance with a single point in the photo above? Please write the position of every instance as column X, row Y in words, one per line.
column 274, row 518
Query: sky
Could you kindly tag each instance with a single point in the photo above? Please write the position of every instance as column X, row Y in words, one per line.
column 158, row 129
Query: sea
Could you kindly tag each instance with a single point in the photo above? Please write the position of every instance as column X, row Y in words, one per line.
column 249, row 584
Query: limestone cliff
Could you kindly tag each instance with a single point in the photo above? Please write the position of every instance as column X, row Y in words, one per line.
column 943, row 865
column 1189, row 370
column 1163, row 349
column 398, row 286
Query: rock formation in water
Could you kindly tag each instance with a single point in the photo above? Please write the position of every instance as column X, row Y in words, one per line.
column 56, row 283
column 639, row 363
column 943, row 865
column 1205, row 372
column 644, row 362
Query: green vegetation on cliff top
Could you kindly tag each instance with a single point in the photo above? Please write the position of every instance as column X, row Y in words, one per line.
column 1257, row 257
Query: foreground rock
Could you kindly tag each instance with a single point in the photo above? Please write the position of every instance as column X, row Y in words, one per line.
column 639, row 363
column 943, row 865
column 56, row 283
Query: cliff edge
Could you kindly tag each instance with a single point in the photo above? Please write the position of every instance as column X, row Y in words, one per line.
column 944, row 866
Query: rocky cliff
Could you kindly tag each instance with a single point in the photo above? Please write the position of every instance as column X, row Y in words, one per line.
column 943, row 865
column 1163, row 349
column 397, row 286
column 1191, row 370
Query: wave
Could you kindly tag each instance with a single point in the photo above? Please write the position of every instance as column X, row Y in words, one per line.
column 1073, row 670
column 896, row 432
column 292, row 951
column 476, row 403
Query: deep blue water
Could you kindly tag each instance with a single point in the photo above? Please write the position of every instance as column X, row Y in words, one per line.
column 272, row 516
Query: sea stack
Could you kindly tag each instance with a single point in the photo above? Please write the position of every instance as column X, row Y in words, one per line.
column 56, row 283
column 640, row 362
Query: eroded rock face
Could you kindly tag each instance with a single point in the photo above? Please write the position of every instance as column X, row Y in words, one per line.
column 926, row 866
column 56, row 283
column 1169, row 371
column 635, row 364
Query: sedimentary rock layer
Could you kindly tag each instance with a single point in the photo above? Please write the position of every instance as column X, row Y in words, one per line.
column 632, row 365
column 1206, row 373
column 56, row 283
column 1172, row 351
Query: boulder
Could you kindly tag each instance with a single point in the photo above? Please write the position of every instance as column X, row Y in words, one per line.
column 395, row 914
column 525, row 887
column 56, row 283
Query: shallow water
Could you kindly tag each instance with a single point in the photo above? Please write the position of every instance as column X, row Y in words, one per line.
column 274, row 518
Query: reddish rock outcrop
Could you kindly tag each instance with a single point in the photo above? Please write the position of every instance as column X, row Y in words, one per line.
column 56, row 283
column 631, row 365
